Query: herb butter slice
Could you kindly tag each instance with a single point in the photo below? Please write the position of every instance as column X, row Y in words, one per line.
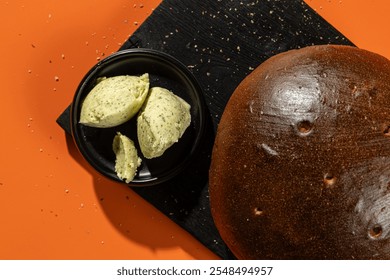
column 127, row 160
column 114, row 100
column 161, row 121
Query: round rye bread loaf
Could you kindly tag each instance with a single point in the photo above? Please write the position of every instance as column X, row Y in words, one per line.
column 301, row 163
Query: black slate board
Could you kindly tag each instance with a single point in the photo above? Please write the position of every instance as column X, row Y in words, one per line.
column 221, row 42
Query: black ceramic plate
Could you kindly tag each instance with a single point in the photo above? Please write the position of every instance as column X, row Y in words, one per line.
column 95, row 144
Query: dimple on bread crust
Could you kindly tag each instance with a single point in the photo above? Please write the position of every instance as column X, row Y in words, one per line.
column 301, row 162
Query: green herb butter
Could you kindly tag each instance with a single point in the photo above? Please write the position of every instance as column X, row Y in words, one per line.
column 114, row 100
column 161, row 121
column 127, row 160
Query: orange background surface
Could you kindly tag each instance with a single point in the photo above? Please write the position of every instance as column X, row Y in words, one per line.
column 52, row 204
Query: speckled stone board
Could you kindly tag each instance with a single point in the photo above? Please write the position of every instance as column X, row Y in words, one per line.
column 221, row 42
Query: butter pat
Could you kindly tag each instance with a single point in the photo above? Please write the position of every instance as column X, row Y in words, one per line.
column 114, row 100
column 127, row 160
column 161, row 122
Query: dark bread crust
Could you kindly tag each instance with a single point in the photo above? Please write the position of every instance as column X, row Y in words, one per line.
column 301, row 162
